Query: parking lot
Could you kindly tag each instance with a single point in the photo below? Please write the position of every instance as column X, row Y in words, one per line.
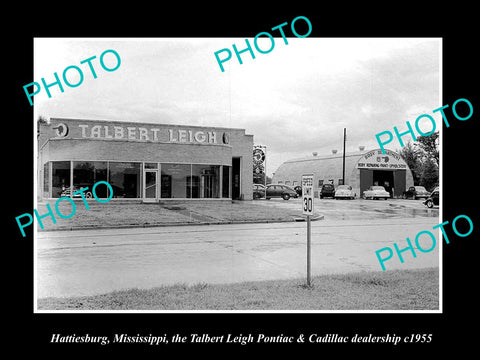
column 358, row 209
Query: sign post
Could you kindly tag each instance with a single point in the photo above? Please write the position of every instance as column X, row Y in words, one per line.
column 307, row 207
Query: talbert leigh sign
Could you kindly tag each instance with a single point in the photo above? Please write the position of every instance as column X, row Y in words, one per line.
column 141, row 133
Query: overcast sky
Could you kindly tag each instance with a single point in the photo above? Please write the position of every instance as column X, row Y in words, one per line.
column 295, row 100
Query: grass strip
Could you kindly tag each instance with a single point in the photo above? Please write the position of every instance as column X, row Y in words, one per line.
column 391, row 290
column 113, row 214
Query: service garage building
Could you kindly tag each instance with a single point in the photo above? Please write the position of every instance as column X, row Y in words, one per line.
column 362, row 170
column 150, row 162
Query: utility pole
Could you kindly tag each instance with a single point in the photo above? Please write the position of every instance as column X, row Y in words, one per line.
column 344, row 141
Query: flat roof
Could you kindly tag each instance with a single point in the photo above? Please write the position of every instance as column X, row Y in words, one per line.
column 146, row 123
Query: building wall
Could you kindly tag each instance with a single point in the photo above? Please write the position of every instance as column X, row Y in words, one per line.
column 359, row 168
column 96, row 149
column 242, row 146
column 130, row 141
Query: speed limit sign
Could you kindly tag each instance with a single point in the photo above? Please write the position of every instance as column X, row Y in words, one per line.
column 307, row 194
column 307, row 207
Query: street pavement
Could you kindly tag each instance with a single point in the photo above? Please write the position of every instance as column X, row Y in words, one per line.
column 74, row 263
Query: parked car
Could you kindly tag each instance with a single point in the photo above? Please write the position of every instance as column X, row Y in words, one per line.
column 258, row 191
column 278, row 190
column 416, row 192
column 344, row 192
column 376, row 192
column 66, row 193
column 433, row 199
column 327, row 190
column 298, row 189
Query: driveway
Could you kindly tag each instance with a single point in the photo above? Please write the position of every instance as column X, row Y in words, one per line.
column 358, row 209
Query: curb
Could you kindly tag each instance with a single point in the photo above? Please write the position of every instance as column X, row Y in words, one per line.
column 296, row 218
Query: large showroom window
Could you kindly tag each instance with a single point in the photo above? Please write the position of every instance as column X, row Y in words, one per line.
column 87, row 173
column 226, row 182
column 124, row 177
column 46, row 179
column 180, row 181
column 205, row 181
column 60, row 177
column 176, row 181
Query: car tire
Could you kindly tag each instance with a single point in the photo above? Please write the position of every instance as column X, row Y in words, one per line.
column 256, row 196
column 404, row 196
column 88, row 195
column 429, row 204
column 286, row 196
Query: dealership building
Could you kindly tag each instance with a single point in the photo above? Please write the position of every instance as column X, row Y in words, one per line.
column 147, row 162
column 362, row 170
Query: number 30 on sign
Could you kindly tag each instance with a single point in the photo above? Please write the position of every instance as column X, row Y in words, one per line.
column 307, row 194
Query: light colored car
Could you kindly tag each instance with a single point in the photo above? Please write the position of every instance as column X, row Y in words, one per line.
column 344, row 192
column 376, row 192
column 258, row 191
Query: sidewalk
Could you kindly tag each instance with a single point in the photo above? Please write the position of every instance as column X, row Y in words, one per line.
column 137, row 214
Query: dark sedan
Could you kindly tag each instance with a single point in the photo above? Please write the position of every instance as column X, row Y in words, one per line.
column 416, row 192
column 298, row 189
column 434, row 199
column 283, row 191
column 327, row 190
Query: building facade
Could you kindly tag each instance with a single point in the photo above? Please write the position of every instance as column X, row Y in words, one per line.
column 150, row 162
column 362, row 170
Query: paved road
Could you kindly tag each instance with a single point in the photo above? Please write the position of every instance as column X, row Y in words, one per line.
column 358, row 209
column 97, row 261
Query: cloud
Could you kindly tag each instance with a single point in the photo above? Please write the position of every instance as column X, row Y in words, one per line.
column 296, row 99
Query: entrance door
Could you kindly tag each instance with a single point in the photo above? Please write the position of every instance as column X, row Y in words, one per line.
column 366, row 180
column 384, row 178
column 236, row 178
column 150, row 191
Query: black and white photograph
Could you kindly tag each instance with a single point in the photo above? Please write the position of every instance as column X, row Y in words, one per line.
column 186, row 194
column 280, row 184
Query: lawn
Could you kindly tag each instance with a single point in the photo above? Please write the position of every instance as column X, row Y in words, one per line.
column 391, row 290
column 117, row 214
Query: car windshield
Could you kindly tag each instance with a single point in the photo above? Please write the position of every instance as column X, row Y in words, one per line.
column 420, row 188
column 378, row 188
column 344, row 187
column 328, row 186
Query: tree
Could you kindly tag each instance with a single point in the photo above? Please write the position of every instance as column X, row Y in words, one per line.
column 429, row 176
column 260, row 179
column 412, row 157
column 41, row 120
column 429, row 145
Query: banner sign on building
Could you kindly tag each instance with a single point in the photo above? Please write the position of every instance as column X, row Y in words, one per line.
column 375, row 159
column 259, row 153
